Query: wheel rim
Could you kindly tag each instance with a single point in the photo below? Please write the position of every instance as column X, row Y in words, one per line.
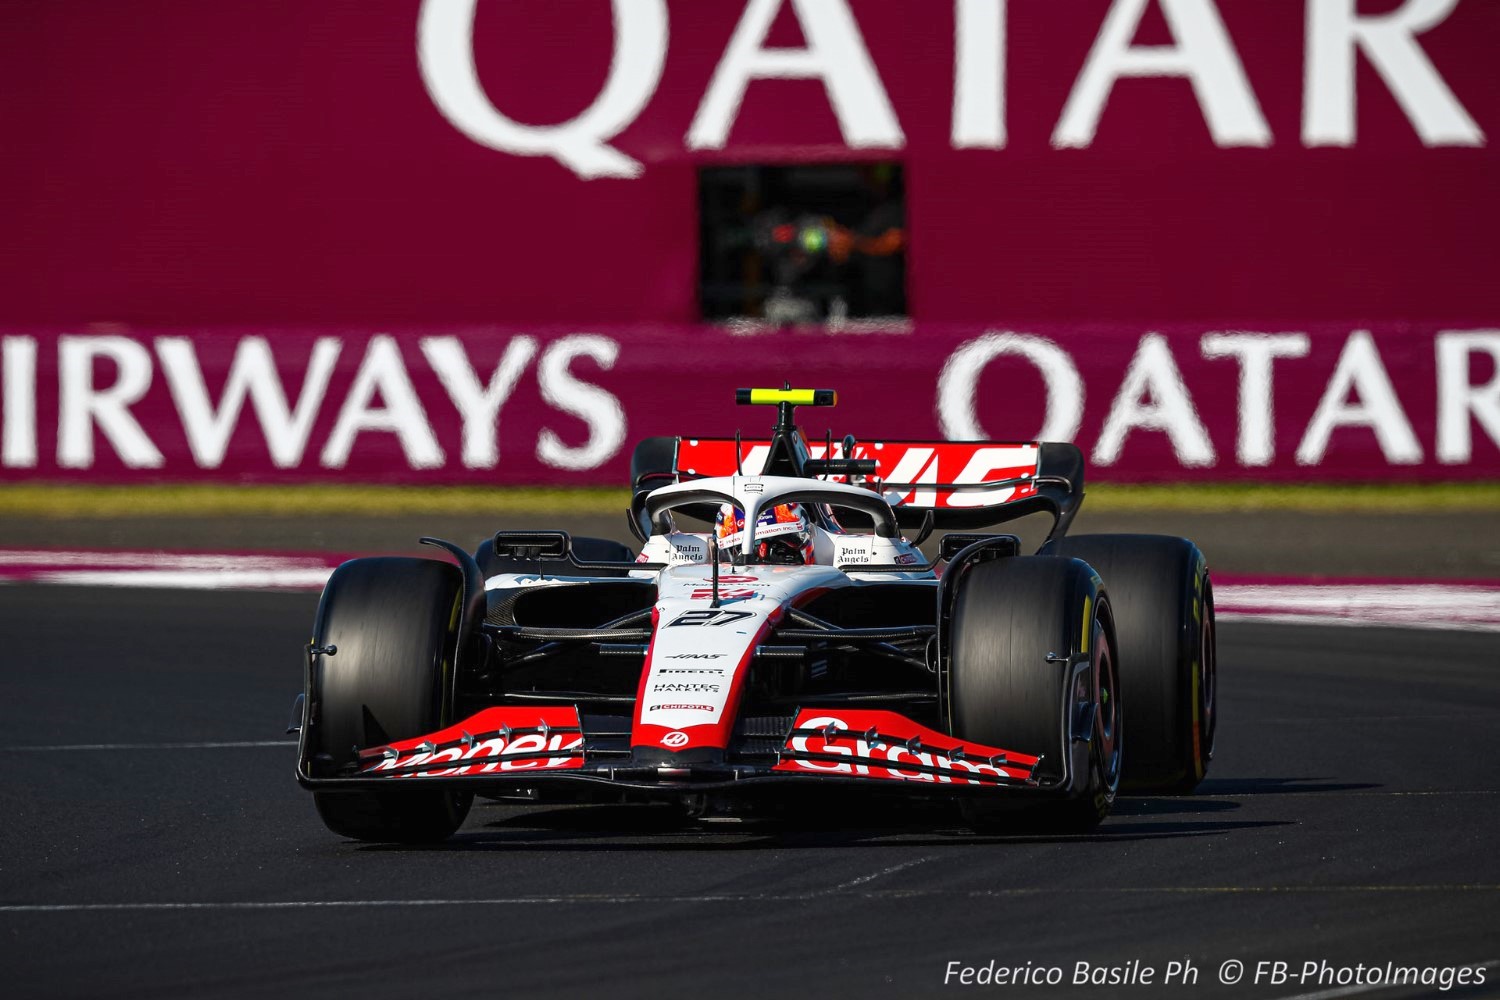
column 1208, row 675
column 1107, row 717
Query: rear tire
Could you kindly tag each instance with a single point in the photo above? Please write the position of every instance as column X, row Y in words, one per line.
column 1164, row 615
column 1008, row 616
column 394, row 623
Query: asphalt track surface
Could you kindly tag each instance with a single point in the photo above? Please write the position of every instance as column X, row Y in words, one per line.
column 1350, row 816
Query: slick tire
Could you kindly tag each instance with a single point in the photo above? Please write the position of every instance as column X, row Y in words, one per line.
column 1008, row 616
column 394, row 625
column 1164, row 618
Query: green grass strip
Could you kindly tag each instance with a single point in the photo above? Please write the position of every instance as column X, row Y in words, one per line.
column 1310, row 497
column 210, row 500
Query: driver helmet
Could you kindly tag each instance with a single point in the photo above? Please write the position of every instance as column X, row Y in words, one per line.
column 782, row 534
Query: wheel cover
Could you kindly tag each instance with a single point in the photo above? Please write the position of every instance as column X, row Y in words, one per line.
column 1208, row 678
column 1107, row 717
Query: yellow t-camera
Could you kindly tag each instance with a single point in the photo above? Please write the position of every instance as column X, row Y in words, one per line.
column 796, row 397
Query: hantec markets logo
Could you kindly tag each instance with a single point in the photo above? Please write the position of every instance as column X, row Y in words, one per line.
column 686, row 687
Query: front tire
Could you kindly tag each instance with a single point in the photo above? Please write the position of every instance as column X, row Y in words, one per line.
column 1009, row 616
column 1164, row 612
column 394, row 624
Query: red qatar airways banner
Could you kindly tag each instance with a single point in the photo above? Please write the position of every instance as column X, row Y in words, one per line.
column 460, row 240
column 512, row 406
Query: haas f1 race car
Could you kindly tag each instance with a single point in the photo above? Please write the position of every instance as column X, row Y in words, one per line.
column 778, row 630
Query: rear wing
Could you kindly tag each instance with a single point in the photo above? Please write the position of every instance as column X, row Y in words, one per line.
column 963, row 484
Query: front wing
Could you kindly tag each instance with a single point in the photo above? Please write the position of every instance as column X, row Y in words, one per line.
column 516, row 747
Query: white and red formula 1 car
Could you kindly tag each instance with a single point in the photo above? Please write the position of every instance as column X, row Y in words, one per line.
column 778, row 650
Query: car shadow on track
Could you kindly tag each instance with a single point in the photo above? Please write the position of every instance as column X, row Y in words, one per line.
column 1170, row 805
column 1278, row 786
column 637, row 828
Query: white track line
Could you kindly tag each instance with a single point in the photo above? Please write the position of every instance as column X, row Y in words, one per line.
column 1348, row 621
column 138, row 559
column 314, row 904
column 180, row 579
column 628, row 898
column 893, row 869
